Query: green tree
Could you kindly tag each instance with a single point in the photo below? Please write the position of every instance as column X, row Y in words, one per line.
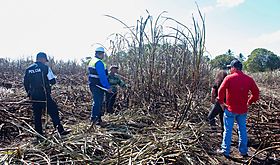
column 222, row 61
column 241, row 57
column 230, row 53
column 261, row 60
column 273, row 62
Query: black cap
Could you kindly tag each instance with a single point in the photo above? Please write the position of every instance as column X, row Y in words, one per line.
column 235, row 63
column 42, row 55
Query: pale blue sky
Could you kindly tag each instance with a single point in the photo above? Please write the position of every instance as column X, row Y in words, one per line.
column 67, row 29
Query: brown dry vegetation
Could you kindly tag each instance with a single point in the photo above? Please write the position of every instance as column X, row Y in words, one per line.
column 139, row 132
column 160, row 120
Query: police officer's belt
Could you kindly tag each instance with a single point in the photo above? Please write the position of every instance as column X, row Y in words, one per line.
column 93, row 75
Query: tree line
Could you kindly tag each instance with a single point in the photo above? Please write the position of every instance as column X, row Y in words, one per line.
column 260, row 60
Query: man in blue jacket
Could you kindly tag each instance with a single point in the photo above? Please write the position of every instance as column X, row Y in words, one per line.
column 37, row 83
column 98, row 83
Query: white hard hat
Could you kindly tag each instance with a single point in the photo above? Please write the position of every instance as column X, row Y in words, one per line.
column 100, row 49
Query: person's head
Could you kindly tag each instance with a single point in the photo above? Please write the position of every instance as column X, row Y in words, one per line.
column 42, row 57
column 234, row 66
column 100, row 52
column 114, row 69
column 220, row 77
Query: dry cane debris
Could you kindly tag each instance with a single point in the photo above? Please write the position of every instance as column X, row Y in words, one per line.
column 138, row 135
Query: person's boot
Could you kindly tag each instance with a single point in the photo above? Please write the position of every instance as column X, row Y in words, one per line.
column 40, row 139
column 65, row 132
column 62, row 131
column 99, row 121
column 94, row 120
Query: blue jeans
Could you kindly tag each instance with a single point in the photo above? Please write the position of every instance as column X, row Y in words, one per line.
column 98, row 95
column 242, row 132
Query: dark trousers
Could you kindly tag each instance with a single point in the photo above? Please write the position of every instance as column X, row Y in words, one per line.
column 110, row 101
column 98, row 97
column 52, row 111
column 216, row 109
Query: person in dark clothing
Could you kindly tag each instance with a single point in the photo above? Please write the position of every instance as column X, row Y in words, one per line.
column 115, row 81
column 216, row 108
column 37, row 83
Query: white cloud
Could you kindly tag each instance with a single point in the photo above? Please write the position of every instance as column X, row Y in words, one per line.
column 207, row 9
column 268, row 41
column 229, row 3
column 220, row 4
column 268, row 38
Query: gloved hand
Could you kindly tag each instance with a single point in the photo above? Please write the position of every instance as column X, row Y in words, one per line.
column 110, row 90
column 29, row 96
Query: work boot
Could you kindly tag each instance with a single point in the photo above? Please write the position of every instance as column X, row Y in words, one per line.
column 99, row 122
column 96, row 120
column 245, row 155
column 40, row 140
column 64, row 132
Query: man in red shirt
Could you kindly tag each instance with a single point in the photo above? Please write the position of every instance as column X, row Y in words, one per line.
column 236, row 88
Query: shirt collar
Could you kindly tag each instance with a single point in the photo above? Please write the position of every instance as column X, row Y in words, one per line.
column 238, row 72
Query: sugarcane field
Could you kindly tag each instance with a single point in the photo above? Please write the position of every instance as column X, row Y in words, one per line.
column 152, row 96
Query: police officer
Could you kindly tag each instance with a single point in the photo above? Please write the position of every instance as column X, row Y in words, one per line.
column 115, row 81
column 98, row 83
column 37, row 83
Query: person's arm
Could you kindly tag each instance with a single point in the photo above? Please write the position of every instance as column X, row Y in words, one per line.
column 51, row 76
column 26, row 83
column 100, row 69
column 121, row 83
column 255, row 93
column 222, row 92
column 213, row 95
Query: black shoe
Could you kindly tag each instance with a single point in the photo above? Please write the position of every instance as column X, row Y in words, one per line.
column 65, row 132
column 245, row 156
column 96, row 121
column 213, row 128
column 99, row 122
column 40, row 140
